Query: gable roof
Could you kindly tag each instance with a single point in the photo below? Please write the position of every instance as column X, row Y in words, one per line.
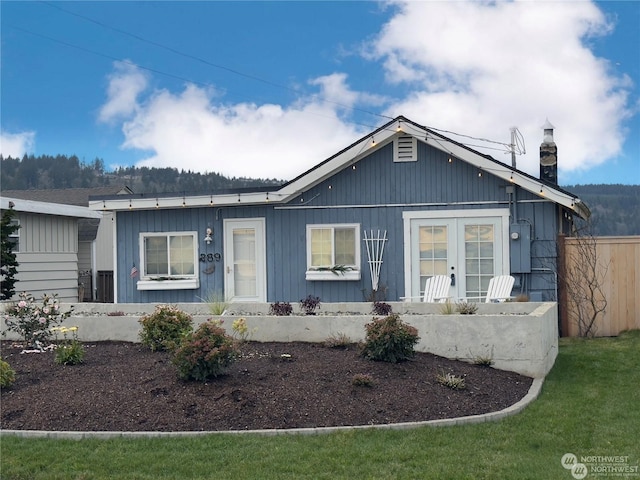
column 345, row 158
column 47, row 208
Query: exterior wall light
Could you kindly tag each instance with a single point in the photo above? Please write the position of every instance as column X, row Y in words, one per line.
column 208, row 238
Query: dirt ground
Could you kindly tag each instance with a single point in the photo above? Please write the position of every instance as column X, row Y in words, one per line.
column 125, row 387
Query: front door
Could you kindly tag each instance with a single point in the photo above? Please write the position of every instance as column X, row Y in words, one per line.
column 244, row 260
column 470, row 249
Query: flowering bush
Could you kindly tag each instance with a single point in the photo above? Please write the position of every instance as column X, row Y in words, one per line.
column 70, row 351
column 165, row 327
column 389, row 339
column 7, row 374
column 33, row 321
column 205, row 353
column 241, row 330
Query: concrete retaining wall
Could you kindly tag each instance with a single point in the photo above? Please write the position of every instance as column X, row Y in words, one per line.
column 520, row 337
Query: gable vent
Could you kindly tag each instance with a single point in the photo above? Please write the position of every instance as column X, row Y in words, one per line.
column 405, row 149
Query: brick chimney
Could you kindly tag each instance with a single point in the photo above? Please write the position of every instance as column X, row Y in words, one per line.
column 548, row 155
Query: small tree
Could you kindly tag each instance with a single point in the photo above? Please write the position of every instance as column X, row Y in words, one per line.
column 8, row 263
column 582, row 275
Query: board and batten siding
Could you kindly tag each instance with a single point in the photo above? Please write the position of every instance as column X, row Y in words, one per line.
column 374, row 194
column 48, row 256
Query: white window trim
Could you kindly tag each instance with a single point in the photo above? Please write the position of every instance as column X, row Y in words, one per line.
column 354, row 273
column 181, row 282
column 408, row 216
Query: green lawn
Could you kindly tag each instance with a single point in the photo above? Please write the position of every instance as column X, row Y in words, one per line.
column 589, row 405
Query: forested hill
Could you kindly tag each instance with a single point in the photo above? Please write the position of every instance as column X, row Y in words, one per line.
column 615, row 208
column 47, row 171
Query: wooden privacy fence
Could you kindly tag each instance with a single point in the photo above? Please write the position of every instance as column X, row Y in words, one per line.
column 620, row 257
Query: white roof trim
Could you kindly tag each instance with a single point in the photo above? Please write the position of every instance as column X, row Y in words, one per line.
column 350, row 156
column 47, row 208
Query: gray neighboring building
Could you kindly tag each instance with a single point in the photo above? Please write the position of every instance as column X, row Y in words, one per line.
column 42, row 215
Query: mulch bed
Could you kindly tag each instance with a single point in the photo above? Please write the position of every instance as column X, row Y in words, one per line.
column 125, row 387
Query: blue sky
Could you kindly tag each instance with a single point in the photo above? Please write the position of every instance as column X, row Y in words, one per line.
column 269, row 89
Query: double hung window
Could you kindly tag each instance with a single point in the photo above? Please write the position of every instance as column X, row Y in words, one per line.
column 333, row 252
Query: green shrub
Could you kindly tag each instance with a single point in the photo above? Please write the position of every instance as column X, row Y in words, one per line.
column 205, row 353
column 70, row 354
column 70, row 351
column 165, row 327
column 389, row 339
column 7, row 374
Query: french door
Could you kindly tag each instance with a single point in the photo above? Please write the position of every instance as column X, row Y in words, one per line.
column 469, row 249
column 244, row 260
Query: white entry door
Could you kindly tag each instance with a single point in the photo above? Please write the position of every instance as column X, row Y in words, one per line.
column 471, row 250
column 244, row 260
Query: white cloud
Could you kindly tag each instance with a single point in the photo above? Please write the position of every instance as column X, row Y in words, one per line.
column 17, row 144
column 188, row 130
column 125, row 84
column 479, row 68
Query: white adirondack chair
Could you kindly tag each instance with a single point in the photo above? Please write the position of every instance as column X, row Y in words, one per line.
column 500, row 288
column 436, row 289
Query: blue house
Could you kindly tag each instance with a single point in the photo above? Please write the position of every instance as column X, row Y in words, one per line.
column 375, row 220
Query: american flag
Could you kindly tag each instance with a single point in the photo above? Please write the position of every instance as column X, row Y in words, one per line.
column 134, row 272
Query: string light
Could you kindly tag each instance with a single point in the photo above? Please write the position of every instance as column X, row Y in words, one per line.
column 157, row 204
column 479, row 173
column 450, row 160
column 330, row 187
column 373, row 141
column 184, row 202
column 129, row 204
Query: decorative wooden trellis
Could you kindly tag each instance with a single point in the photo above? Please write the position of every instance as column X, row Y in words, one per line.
column 375, row 250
